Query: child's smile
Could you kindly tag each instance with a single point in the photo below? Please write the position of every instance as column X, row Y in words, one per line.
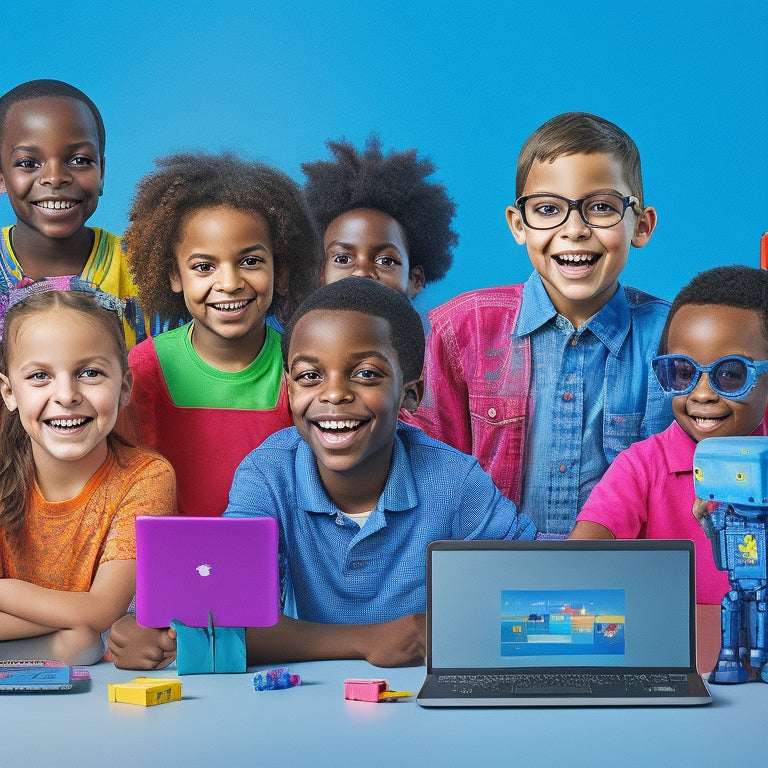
column 578, row 263
column 67, row 383
column 345, row 386
column 51, row 166
column 226, row 273
column 705, row 333
column 337, row 432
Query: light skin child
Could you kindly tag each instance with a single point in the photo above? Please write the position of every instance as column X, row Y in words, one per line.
column 63, row 368
column 580, row 265
column 341, row 367
column 705, row 333
column 52, row 169
column 366, row 242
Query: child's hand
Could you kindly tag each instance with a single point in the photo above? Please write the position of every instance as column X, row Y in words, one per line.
column 700, row 509
column 398, row 643
column 135, row 647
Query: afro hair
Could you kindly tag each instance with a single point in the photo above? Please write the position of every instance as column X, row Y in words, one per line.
column 186, row 183
column 395, row 184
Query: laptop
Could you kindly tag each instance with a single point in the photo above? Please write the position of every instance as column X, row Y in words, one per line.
column 188, row 567
column 561, row 623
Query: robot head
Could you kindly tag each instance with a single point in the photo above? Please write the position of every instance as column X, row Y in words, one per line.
column 732, row 470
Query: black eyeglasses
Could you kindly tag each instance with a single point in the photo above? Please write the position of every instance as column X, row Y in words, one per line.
column 731, row 377
column 602, row 210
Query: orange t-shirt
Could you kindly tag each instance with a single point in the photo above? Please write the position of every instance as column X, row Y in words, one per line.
column 61, row 544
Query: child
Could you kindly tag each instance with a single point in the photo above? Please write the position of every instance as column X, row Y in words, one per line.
column 648, row 492
column 380, row 217
column 358, row 496
column 70, row 488
column 52, row 168
column 546, row 382
column 217, row 243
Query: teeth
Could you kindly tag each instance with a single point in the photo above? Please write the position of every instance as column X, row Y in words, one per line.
column 702, row 422
column 348, row 424
column 66, row 422
column 576, row 258
column 56, row 204
column 231, row 306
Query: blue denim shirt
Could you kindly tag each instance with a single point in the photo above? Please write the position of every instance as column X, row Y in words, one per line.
column 593, row 394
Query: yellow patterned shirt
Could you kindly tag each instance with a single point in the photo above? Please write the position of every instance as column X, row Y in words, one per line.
column 106, row 268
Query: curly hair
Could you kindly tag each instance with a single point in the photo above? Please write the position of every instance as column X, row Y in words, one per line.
column 50, row 89
column 186, row 183
column 395, row 184
column 359, row 294
column 736, row 286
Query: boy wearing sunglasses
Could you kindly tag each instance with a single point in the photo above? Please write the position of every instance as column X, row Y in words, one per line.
column 546, row 382
column 712, row 364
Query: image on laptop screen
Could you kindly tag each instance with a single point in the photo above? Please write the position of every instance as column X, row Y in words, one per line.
column 587, row 622
column 560, row 608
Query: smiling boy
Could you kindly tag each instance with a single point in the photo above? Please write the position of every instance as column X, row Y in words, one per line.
column 52, row 169
column 546, row 382
column 359, row 496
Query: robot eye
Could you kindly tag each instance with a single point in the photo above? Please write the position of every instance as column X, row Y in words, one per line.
column 740, row 476
column 697, row 473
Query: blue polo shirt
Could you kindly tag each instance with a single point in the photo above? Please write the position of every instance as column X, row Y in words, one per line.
column 331, row 570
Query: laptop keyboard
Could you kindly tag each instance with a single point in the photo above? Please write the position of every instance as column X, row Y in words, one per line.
column 563, row 684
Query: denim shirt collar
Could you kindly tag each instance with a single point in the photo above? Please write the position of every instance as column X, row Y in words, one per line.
column 610, row 325
column 399, row 492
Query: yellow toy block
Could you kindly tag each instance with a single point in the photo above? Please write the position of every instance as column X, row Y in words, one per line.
column 145, row 691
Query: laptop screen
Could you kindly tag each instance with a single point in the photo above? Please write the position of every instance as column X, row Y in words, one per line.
column 561, row 604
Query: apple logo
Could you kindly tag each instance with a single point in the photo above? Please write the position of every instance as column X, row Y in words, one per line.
column 204, row 570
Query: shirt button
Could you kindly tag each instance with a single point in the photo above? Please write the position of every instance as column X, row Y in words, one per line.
column 574, row 342
column 492, row 413
column 567, row 396
column 562, row 467
column 339, row 520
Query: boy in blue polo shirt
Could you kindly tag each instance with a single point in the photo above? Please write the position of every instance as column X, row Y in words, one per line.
column 357, row 495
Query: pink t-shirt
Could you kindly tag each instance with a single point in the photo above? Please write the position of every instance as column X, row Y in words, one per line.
column 648, row 493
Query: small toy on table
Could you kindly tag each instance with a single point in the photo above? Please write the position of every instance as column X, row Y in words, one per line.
column 731, row 474
column 145, row 691
column 371, row 690
column 275, row 680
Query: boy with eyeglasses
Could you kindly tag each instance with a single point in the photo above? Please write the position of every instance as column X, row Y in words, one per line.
column 546, row 382
column 712, row 361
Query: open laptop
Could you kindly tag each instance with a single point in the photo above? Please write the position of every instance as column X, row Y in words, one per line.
column 187, row 567
column 561, row 623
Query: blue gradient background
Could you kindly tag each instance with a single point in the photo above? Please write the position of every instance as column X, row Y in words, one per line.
column 464, row 83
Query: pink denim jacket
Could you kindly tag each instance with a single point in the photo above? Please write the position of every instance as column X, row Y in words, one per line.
column 478, row 379
column 478, row 388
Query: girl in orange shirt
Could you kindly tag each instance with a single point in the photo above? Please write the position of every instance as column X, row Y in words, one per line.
column 70, row 487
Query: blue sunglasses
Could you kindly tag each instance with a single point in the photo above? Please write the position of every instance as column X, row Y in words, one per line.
column 731, row 377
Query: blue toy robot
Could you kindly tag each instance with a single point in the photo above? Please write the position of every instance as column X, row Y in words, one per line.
column 734, row 472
